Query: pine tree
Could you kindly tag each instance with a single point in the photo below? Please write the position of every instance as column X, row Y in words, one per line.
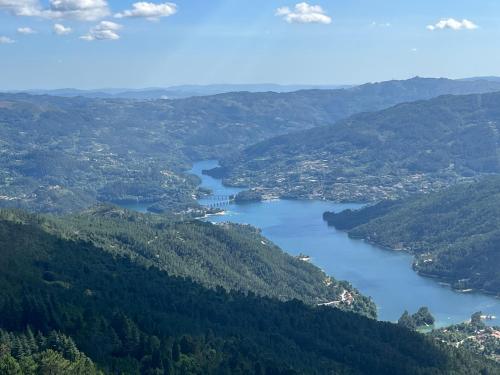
column 33, row 346
column 53, row 363
column 9, row 365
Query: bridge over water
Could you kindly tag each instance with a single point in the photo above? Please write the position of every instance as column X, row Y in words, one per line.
column 219, row 201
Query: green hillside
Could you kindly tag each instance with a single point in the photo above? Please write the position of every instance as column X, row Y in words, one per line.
column 133, row 319
column 27, row 353
column 415, row 147
column 454, row 234
column 235, row 257
column 66, row 154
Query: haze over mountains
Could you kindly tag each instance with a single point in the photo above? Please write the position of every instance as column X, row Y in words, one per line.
column 146, row 294
column 177, row 92
column 186, row 91
column 285, row 205
column 412, row 147
column 63, row 154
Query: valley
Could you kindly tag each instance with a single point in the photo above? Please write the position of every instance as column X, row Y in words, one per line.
column 144, row 266
column 64, row 154
column 255, row 187
column 411, row 148
column 387, row 276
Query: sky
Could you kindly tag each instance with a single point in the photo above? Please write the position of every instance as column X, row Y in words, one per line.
column 128, row 44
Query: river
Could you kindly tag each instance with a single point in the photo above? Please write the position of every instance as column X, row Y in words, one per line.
column 386, row 276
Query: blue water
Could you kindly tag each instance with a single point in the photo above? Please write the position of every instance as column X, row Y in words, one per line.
column 386, row 276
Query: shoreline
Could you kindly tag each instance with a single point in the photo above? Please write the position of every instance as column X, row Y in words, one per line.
column 441, row 280
column 217, row 184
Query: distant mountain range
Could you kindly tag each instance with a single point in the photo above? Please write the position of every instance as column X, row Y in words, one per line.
column 177, row 92
column 63, row 154
column 134, row 293
column 485, row 78
column 186, row 91
column 411, row 147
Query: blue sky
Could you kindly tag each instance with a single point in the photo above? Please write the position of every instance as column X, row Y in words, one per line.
column 243, row 41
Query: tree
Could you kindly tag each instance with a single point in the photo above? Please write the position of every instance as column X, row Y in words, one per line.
column 28, row 366
column 53, row 363
column 423, row 317
column 407, row 321
column 476, row 320
column 8, row 365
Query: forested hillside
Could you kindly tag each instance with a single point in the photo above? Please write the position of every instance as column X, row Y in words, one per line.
column 454, row 234
column 131, row 319
column 27, row 353
column 64, row 154
column 415, row 147
column 235, row 257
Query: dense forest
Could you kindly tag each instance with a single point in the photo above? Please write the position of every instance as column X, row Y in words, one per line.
column 65, row 154
column 26, row 353
column 413, row 147
column 132, row 318
column 235, row 257
column 454, row 234
column 100, row 290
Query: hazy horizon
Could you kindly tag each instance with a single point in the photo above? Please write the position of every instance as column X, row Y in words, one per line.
column 109, row 43
column 236, row 84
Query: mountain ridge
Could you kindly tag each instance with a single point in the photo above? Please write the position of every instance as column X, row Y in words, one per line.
column 133, row 319
column 66, row 154
column 411, row 147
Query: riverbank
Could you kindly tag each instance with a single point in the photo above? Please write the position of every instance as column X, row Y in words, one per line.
column 441, row 280
column 387, row 276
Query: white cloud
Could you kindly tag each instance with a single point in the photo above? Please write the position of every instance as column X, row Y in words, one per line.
column 6, row 40
column 26, row 30
column 84, row 10
column 105, row 30
column 21, row 7
column 60, row 29
column 304, row 13
column 150, row 11
column 453, row 24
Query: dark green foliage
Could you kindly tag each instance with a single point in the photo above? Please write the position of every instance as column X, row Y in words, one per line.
column 235, row 257
column 350, row 219
column 454, row 234
column 248, row 196
column 407, row 321
column 29, row 354
column 422, row 318
column 132, row 319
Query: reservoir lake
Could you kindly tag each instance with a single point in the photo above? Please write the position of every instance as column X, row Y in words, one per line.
column 385, row 275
